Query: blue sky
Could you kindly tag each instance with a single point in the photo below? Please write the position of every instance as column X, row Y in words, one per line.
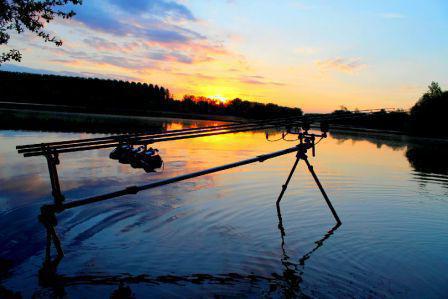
column 313, row 54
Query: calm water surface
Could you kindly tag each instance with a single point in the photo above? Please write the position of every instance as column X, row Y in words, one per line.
column 219, row 234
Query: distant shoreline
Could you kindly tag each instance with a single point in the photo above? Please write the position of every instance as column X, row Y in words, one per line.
column 22, row 106
column 40, row 120
column 18, row 116
column 359, row 130
column 29, row 116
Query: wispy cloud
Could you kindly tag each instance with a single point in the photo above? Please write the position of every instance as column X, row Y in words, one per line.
column 347, row 65
column 196, row 75
column 164, row 55
column 258, row 80
column 161, row 8
column 102, row 44
column 153, row 31
column 69, row 57
column 151, row 21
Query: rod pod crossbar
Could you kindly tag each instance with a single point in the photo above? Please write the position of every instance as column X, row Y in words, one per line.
column 68, row 146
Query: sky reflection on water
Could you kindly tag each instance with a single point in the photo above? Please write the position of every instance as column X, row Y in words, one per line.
column 219, row 234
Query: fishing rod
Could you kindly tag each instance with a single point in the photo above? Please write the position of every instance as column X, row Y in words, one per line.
column 38, row 150
column 24, row 148
column 151, row 140
column 119, row 138
column 108, row 142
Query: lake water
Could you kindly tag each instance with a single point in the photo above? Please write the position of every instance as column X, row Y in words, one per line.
column 219, row 235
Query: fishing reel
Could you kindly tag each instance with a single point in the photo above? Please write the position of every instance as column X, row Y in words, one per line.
column 306, row 126
column 306, row 139
column 138, row 157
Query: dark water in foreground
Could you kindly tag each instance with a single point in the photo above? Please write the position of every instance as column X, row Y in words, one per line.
column 219, row 235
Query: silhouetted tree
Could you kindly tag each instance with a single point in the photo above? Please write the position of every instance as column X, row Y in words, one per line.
column 32, row 15
column 429, row 113
column 167, row 94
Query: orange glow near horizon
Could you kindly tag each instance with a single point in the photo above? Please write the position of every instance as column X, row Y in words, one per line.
column 254, row 57
column 219, row 98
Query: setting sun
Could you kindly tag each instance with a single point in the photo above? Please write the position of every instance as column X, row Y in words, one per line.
column 219, row 98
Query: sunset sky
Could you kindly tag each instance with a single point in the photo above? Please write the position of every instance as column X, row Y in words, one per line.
column 316, row 55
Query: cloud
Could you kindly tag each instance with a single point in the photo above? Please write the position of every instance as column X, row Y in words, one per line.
column 100, row 44
column 171, row 35
column 141, row 25
column 96, row 17
column 252, row 81
column 160, row 8
column 102, row 60
column 258, row 80
column 154, row 20
column 69, row 56
column 140, row 39
column 134, row 37
column 171, row 56
column 180, row 57
column 347, row 65
column 123, row 62
column 196, row 75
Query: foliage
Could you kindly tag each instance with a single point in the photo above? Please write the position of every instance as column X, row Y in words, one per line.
column 20, row 15
column 238, row 107
column 90, row 93
column 382, row 120
column 428, row 114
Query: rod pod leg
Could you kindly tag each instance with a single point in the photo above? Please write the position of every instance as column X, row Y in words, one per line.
column 56, row 242
column 285, row 185
column 53, row 161
column 316, row 179
column 49, row 221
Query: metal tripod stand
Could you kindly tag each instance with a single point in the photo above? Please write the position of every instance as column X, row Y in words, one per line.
column 307, row 141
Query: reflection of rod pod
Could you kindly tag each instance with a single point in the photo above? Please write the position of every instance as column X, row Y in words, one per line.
column 52, row 162
column 48, row 218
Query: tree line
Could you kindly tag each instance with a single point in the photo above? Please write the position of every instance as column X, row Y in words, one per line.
column 237, row 107
column 105, row 95
column 134, row 98
column 425, row 118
